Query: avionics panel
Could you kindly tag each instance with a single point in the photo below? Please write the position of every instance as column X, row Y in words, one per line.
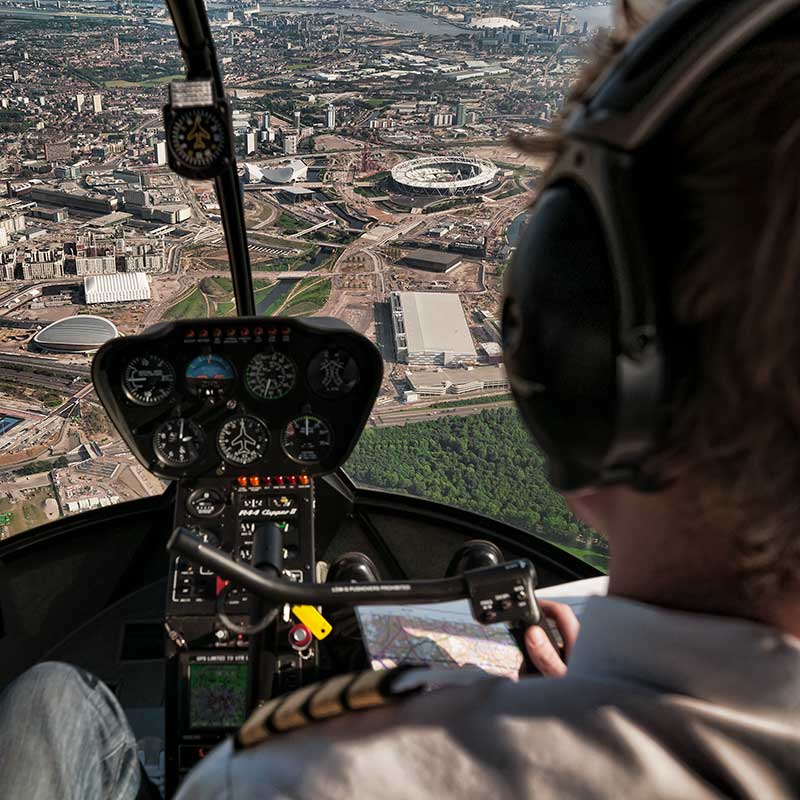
column 240, row 397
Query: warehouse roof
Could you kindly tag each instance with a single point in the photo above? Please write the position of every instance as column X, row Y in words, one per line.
column 116, row 287
column 457, row 377
column 435, row 323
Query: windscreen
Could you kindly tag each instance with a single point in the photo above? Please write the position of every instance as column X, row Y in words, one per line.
column 379, row 187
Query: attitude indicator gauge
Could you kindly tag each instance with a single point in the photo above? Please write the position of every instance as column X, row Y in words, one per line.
column 243, row 440
column 178, row 442
column 270, row 376
column 210, row 377
column 307, row 439
column 148, row 380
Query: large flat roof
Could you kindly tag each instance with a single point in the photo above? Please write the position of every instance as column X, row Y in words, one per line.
column 435, row 323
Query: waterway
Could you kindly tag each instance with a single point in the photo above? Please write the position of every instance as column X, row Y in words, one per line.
column 515, row 228
column 396, row 20
column 281, row 289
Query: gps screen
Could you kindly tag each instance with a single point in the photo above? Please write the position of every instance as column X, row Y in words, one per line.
column 217, row 695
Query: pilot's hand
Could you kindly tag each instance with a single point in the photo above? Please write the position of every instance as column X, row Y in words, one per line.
column 538, row 646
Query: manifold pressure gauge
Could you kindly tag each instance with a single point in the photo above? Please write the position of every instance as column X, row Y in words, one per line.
column 198, row 131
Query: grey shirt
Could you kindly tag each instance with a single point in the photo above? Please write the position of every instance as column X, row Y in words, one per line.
column 657, row 704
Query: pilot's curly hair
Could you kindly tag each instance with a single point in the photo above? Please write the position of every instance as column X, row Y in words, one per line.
column 735, row 434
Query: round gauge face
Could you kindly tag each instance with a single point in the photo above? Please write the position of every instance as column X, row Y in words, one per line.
column 178, row 442
column 333, row 373
column 270, row 376
column 197, row 137
column 307, row 439
column 148, row 380
column 210, row 377
column 206, row 503
column 243, row 440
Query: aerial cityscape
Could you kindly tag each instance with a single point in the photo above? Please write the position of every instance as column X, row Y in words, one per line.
column 380, row 187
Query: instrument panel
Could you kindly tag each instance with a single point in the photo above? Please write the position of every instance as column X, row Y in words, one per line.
column 239, row 396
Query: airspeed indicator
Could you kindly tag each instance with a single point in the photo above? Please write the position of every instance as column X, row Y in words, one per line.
column 307, row 439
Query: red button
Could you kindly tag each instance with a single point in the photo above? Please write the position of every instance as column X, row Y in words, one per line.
column 221, row 584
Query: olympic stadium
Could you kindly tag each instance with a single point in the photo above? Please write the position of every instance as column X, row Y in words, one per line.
column 444, row 175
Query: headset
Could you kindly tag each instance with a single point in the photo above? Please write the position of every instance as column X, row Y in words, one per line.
column 593, row 356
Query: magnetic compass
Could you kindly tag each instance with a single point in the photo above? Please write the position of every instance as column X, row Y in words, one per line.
column 197, row 140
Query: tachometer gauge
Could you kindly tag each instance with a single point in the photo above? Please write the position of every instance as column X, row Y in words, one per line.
column 148, row 380
column 332, row 372
column 270, row 376
column 243, row 440
column 210, row 377
column 178, row 442
column 307, row 439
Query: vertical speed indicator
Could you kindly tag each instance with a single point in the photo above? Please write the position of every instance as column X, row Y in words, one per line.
column 307, row 439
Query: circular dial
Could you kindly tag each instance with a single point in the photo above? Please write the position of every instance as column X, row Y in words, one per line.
column 197, row 137
column 148, row 380
column 333, row 372
column 243, row 440
column 210, row 377
column 307, row 439
column 270, row 376
column 178, row 442
column 206, row 503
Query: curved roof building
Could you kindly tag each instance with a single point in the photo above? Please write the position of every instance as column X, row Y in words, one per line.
column 444, row 175
column 495, row 22
column 78, row 334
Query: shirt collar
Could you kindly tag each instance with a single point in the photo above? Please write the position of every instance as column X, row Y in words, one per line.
column 719, row 659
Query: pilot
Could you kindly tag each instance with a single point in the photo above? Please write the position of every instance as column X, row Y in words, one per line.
column 685, row 681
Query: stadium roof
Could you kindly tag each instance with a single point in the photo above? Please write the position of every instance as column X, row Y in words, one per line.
column 435, row 322
column 286, row 173
column 78, row 334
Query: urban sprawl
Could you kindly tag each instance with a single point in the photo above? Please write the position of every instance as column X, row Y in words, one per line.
column 380, row 188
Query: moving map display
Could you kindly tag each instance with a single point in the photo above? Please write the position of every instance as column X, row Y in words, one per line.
column 217, row 695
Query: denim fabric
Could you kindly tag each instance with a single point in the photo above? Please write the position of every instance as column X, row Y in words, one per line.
column 64, row 736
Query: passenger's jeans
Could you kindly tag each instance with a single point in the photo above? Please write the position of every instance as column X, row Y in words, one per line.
column 63, row 736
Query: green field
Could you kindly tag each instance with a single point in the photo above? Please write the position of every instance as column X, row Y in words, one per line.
column 309, row 300
column 192, row 306
column 145, row 84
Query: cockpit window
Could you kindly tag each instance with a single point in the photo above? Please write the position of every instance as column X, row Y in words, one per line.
column 378, row 188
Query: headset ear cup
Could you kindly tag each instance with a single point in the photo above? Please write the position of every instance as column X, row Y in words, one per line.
column 560, row 335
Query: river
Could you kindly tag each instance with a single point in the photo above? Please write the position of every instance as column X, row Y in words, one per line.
column 396, row 20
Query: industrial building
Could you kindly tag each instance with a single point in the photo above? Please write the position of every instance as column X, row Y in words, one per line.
column 122, row 287
column 431, row 260
column 79, row 334
column 457, row 381
column 430, row 328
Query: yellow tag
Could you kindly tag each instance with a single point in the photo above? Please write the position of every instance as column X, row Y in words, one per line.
column 313, row 620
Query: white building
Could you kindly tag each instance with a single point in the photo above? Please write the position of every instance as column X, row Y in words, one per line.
column 289, row 144
column 97, row 103
column 122, row 287
column 250, row 143
column 458, row 381
column 430, row 328
column 265, row 120
column 160, row 153
column 79, row 101
column 330, row 117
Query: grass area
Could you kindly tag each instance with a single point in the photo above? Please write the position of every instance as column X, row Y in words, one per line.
column 289, row 224
column 310, row 299
column 227, row 309
column 262, row 292
column 194, row 305
column 217, row 286
column 475, row 401
column 376, row 102
column 589, row 556
column 146, row 84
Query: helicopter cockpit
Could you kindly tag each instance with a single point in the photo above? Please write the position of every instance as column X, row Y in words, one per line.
column 238, row 583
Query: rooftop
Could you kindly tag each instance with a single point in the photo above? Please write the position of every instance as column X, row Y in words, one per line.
column 435, row 322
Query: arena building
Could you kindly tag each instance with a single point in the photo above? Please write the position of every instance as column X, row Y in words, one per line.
column 119, row 287
column 79, row 334
column 444, row 175
column 430, row 328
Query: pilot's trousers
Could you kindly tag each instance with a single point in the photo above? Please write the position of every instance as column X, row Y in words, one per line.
column 64, row 736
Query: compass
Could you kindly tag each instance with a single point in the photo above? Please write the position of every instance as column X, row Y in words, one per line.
column 197, row 140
